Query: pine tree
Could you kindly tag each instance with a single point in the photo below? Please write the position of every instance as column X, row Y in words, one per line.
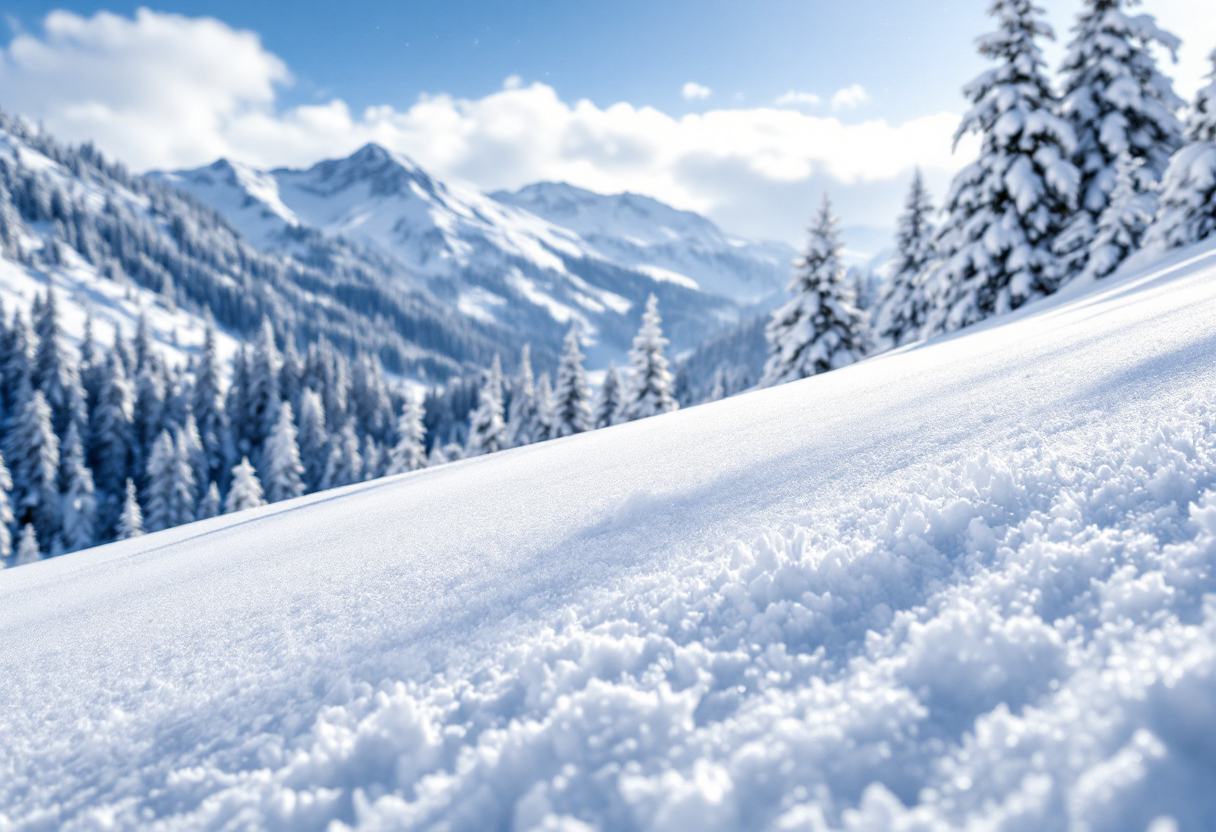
column 27, row 549
column 148, row 414
column 262, row 404
column 818, row 330
column 608, row 404
column 543, row 428
column 14, row 365
column 246, row 489
column 902, row 306
column 291, row 373
column 345, row 463
column 1006, row 209
column 208, row 409
column 131, row 520
column 237, row 404
column 312, row 438
column 169, row 494
column 33, row 458
column 487, row 430
column 210, row 506
column 571, row 395
column 1117, row 101
column 113, row 439
column 1187, row 213
column 283, row 471
column 373, row 458
column 649, row 391
column 522, row 416
column 143, row 345
column 195, row 455
column 79, row 499
column 1122, row 225
column 52, row 372
column 6, row 511
column 409, row 454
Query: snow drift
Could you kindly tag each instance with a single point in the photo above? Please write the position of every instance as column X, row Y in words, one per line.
column 967, row 585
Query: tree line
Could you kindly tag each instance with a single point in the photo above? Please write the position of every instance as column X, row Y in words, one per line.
column 1066, row 186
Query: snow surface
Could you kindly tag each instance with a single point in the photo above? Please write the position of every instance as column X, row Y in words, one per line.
column 967, row 585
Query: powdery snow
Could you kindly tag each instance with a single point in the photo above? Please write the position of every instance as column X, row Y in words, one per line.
column 964, row 585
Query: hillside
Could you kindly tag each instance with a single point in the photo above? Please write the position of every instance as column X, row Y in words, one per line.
column 531, row 262
column 120, row 245
column 963, row 585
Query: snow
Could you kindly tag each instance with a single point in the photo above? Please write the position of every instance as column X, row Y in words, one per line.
column 967, row 584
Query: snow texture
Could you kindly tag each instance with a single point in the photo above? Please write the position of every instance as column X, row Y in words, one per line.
column 964, row 585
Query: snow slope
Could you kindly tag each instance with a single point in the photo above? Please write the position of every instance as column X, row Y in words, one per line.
column 963, row 586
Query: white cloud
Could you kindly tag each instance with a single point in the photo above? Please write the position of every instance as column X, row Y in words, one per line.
column 159, row 87
column 167, row 91
column 850, row 97
column 798, row 99
column 693, row 91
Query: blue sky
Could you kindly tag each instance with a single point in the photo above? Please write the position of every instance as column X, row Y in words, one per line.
column 744, row 111
column 381, row 52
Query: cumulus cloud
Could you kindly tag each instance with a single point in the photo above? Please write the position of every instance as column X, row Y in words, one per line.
column 693, row 91
column 850, row 97
column 165, row 91
column 793, row 98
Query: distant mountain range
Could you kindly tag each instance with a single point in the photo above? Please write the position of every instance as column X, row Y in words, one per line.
column 529, row 262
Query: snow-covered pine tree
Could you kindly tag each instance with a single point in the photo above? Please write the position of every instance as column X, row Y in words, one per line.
column 112, row 439
column 143, row 344
column 571, row 395
column 169, row 495
column 33, row 458
column 608, row 403
column 195, row 454
column 283, row 472
column 522, row 416
column 291, row 373
column 210, row 506
column 902, row 305
column 236, row 405
column 148, row 414
column 6, row 511
column 14, row 365
column 818, row 329
column 1006, row 209
column 437, row 457
column 1187, row 212
column 28, row 550
column 262, row 404
column 649, row 390
column 1117, row 101
column 208, row 409
column 345, row 463
column 312, row 438
column 52, row 372
column 373, row 458
column 79, row 499
column 487, row 430
column 1122, row 225
column 543, row 426
column 131, row 520
column 246, row 489
column 409, row 454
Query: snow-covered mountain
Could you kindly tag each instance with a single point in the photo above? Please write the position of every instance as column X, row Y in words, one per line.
column 508, row 260
column 665, row 242
column 964, row 585
column 124, row 246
